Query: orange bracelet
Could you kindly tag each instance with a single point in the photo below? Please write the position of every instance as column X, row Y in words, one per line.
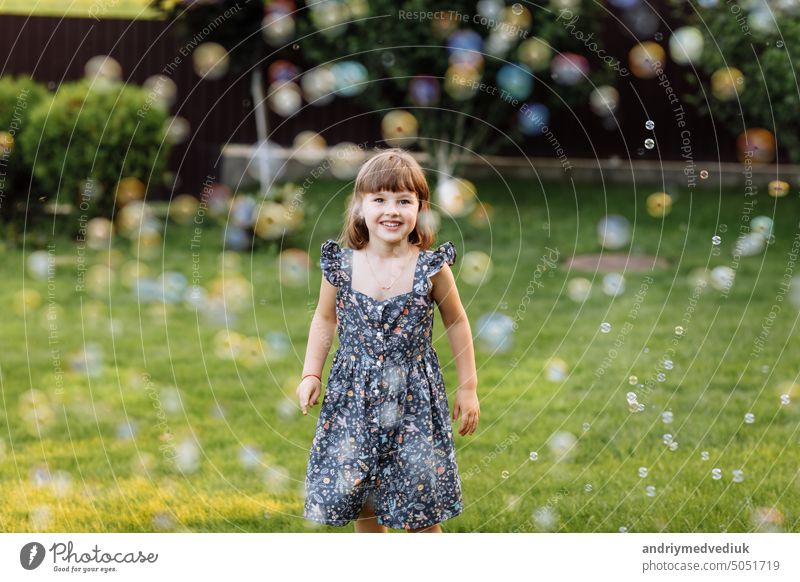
column 315, row 376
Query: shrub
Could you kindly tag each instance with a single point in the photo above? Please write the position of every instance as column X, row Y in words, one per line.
column 18, row 96
column 102, row 133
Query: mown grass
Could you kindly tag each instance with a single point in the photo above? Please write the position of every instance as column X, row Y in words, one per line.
column 98, row 481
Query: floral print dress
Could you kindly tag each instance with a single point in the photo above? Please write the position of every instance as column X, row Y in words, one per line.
column 384, row 425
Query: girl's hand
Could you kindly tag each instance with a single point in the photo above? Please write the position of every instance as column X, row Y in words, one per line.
column 308, row 392
column 466, row 404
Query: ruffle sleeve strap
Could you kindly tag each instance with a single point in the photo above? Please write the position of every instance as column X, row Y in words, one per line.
column 330, row 261
column 444, row 253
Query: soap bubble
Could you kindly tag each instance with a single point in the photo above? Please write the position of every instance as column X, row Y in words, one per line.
column 613, row 284
column 495, row 332
column 613, row 231
column 516, row 80
column 103, row 71
column 187, row 456
column 604, row 100
column 319, row 85
column 650, row 490
column 569, row 68
column 579, row 289
column 456, row 196
column 667, row 438
column 722, row 278
column 249, row 456
column 716, row 474
column 727, row 83
column 210, row 61
column 778, row 188
column 545, row 518
column 605, row 327
column 716, row 240
column 284, row 98
column 557, row 370
column 704, row 455
column 643, row 59
column 650, row 125
column 533, row 118
column 686, row 45
column 534, row 456
column 476, row 268
column 785, row 399
column 643, row 472
column 738, row 475
column 659, row 204
column 535, row 53
column 760, row 143
column 749, row 418
column 562, row 445
column 399, row 128
column 633, row 380
column 749, row 245
column 649, row 143
column 424, row 91
column 309, row 148
column 767, row 519
column 666, row 417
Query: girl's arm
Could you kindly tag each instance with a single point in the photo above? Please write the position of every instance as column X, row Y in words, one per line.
column 323, row 330
column 445, row 293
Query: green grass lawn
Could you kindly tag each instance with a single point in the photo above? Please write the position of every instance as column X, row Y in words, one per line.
column 80, row 468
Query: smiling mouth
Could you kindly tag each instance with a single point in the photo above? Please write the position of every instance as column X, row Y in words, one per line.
column 391, row 224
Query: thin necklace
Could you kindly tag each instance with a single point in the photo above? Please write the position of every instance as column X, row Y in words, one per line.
column 389, row 286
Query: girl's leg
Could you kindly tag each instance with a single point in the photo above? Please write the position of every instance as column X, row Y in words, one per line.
column 436, row 528
column 366, row 522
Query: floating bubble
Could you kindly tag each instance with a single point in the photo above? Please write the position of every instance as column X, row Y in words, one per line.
column 88, row 361
column 643, row 472
column 668, row 364
column 35, row 411
column 505, row 474
column 703, row 174
column 461, row 81
column 6, row 143
column 704, row 455
column 40, row 263
column 243, row 211
column 762, row 225
column 738, row 475
column 294, row 266
column 756, row 145
column 716, row 474
column 309, row 148
column 40, row 518
column 666, row 417
column 686, row 45
column 103, row 70
column 284, row 98
column 579, row 289
column 545, row 518
column 533, row 118
column 556, row 370
column 727, row 83
column 516, row 80
column 210, row 61
column 623, row 529
column 534, row 456
column 613, row 284
column 749, row 418
column 614, row 231
column 722, row 278
column 346, row 158
column 282, row 70
column 126, row 430
column 535, row 53
column 645, row 59
column 749, row 245
column 631, row 396
column 464, row 47
column 716, row 240
column 476, row 268
column 249, row 456
column 785, row 400
column 659, row 204
column 633, row 380
column 604, row 100
column 569, row 68
column 649, row 143
column 661, row 377
column 128, row 190
column 778, row 188
column 187, row 456
column 650, row 125
column 587, row 488
column 277, row 27
column 456, row 196
column 673, row 446
column 424, row 91
column 679, row 330
column 767, row 519
column 495, row 332
column 650, row 490
column 319, row 85
column 276, row 479
column 667, row 438
column 162, row 88
column 562, row 445
column 586, row 426
column 605, row 327
column 399, row 128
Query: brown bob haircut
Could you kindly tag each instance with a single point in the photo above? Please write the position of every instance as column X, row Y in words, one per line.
column 391, row 170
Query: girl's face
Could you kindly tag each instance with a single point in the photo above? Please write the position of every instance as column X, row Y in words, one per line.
column 390, row 216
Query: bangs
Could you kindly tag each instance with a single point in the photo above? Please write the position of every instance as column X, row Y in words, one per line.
column 390, row 172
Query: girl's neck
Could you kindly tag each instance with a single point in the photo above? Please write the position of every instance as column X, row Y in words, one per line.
column 386, row 250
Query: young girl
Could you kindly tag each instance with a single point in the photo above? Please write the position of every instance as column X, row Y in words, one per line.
column 383, row 451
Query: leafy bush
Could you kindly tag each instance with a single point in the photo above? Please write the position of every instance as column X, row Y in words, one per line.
column 18, row 96
column 102, row 133
column 758, row 38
